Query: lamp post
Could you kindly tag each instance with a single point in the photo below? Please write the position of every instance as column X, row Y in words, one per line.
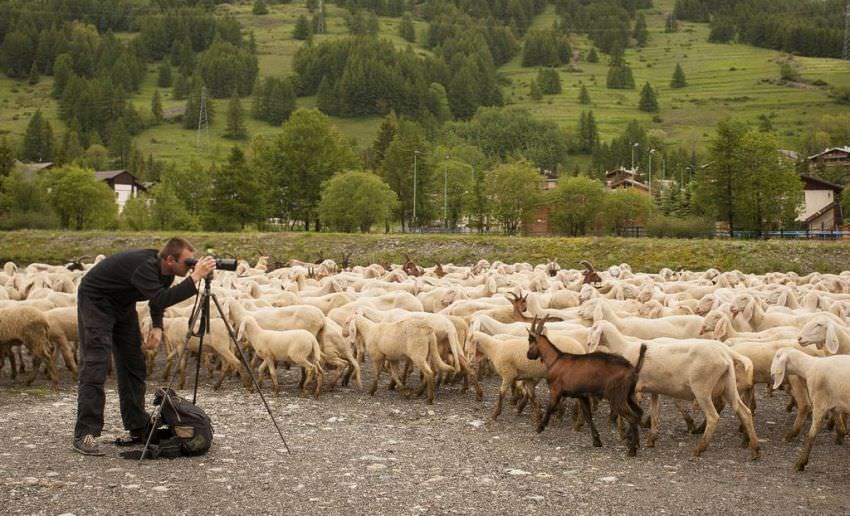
column 415, row 153
column 445, row 191
column 651, row 152
column 636, row 144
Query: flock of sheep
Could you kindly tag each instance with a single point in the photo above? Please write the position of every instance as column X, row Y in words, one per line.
column 703, row 339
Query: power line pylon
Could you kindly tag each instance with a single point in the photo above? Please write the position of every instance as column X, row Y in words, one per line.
column 203, row 124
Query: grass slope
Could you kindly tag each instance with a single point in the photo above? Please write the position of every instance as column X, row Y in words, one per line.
column 642, row 254
column 724, row 79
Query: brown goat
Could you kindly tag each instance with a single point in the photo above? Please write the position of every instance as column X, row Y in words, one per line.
column 598, row 374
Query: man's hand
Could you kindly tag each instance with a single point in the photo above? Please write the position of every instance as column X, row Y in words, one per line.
column 153, row 340
column 204, row 266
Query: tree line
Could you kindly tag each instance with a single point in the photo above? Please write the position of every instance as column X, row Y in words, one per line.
column 806, row 27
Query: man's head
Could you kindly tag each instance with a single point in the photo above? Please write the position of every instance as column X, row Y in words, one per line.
column 174, row 254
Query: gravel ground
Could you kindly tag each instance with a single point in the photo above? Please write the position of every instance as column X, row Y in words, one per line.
column 388, row 455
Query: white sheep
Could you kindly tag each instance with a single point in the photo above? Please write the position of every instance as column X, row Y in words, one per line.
column 27, row 326
column 688, row 370
column 828, row 383
column 392, row 343
column 298, row 347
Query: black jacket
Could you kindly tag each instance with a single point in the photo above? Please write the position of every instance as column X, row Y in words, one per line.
column 131, row 276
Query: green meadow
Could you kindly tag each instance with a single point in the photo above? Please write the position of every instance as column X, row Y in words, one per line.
column 723, row 80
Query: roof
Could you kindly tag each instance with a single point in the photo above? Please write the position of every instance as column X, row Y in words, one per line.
column 28, row 171
column 818, row 181
column 621, row 170
column 814, row 216
column 827, row 151
column 630, row 182
column 109, row 174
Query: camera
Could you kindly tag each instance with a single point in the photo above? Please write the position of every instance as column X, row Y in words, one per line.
column 222, row 264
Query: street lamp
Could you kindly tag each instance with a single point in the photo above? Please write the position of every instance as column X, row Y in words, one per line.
column 445, row 191
column 415, row 153
column 651, row 152
column 636, row 144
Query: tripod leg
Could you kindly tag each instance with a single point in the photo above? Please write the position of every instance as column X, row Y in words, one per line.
column 244, row 361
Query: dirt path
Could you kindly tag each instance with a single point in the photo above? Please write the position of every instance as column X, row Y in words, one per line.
column 387, row 455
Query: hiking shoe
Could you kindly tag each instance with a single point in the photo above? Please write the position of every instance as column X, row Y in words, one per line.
column 135, row 437
column 87, row 446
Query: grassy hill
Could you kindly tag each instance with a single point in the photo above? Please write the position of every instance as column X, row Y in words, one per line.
column 724, row 79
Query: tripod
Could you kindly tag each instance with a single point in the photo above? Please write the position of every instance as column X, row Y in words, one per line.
column 201, row 312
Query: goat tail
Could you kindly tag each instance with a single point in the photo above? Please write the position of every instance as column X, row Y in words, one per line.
column 641, row 356
column 317, row 353
column 435, row 354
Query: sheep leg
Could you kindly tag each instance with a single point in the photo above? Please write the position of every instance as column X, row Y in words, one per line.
column 746, row 418
column 273, row 374
column 711, row 419
column 395, row 380
column 319, row 375
column 654, row 417
column 840, row 426
column 800, row 395
column 472, row 377
column 818, row 415
column 377, row 367
column 588, row 415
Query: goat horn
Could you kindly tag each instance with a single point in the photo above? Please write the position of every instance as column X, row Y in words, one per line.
column 587, row 265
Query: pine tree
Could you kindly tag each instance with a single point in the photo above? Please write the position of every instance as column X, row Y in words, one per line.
column 326, row 98
column 164, row 79
column 33, row 147
column 63, row 69
column 181, row 87
column 34, row 76
column 156, row 107
column 679, row 80
column 584, row 96
column 535, row 92
column 549, row 81
column 260, row 8
column 302, row 29
column 648, row 101
column 593, row 57
column 235, row 129
column 312, row 5
column 671, row 24
column 7, row 157
column 640, row 33
column 406, row 28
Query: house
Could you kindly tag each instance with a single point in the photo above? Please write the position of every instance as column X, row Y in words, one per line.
column 834, row 157
column 123, row 183
column 29, row 171
column 821, row 204
column 624, row 178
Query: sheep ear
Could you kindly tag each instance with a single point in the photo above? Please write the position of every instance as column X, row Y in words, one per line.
column 831, row 338
column 594, row 338
column 721, row 328
column 598, row 314
column 749, row 310
column 778, row 369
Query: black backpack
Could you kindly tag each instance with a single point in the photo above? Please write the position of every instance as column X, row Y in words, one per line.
column 188, row 430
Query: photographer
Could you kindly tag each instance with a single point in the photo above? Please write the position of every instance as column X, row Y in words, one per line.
column 108, row 322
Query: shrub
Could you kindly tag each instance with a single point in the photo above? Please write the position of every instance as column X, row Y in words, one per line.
column 662, row 226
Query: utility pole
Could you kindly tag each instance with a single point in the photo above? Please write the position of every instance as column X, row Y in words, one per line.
column 846, row 49
column 636, row 144
column 651, row 152
column 415, row 153
column 320, row 22
column 203, row 123
column 445, row 191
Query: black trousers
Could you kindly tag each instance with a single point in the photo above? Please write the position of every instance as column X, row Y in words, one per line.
column 105, row 328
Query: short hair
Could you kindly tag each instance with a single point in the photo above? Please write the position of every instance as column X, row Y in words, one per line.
column 174, row 247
